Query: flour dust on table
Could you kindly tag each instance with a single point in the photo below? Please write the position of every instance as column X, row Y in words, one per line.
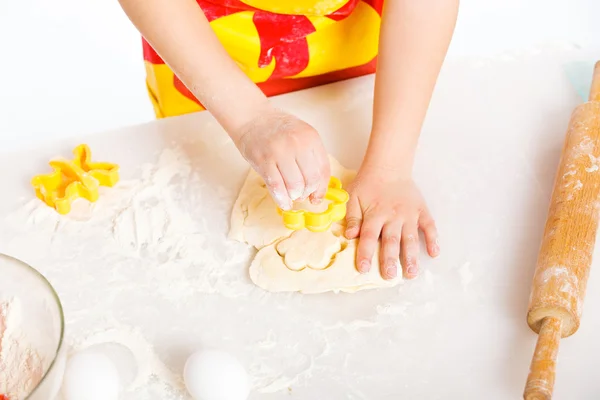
column 299, row 261
column 148, row 267
column 144, row 237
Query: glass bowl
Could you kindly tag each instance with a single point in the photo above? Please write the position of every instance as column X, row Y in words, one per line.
column 31, row 310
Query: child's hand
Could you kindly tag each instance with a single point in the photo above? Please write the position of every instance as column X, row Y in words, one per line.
column 288, row 154
column 383, row 204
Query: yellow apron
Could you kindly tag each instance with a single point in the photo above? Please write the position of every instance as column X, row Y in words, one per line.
column 282, row 45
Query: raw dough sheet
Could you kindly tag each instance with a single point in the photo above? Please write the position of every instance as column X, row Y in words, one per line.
column 302, row 261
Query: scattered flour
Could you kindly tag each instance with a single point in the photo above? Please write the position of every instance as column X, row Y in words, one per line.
column 150, row 242
column 594, row 161
column 143, row 234
column 21, row 367
column 393, row 309
column 147, row 363
column 466, row 276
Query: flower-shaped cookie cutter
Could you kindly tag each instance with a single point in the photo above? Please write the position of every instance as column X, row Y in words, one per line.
column 107, row 174
column 319, row 222
column 73, row 179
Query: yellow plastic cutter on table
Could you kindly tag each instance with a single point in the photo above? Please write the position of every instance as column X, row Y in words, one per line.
column 73, row 179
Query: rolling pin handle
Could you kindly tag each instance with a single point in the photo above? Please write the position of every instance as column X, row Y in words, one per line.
column 540, row 381
column 595, row 89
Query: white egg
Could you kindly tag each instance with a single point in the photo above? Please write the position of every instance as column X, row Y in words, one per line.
column 90, row 375
column 215, row 375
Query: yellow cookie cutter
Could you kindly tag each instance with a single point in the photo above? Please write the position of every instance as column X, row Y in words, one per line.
column 106, row 174
column 319, row 222
column 70, row 180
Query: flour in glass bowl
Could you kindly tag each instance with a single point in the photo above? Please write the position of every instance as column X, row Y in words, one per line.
column 21, row 367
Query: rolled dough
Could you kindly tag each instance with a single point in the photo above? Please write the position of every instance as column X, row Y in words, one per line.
column 306, row 249
column 298, row 261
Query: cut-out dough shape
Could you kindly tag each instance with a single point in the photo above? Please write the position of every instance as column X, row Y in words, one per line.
column 281, row 262
column 269, row 272
column 306, row 249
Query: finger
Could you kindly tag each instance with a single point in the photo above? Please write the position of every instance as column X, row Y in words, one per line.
column 427, row 225
column 310, row 169
column 389, row 256
column 276, row 186
column 353, row 218
column 369, row 239
column 410, row 250
column 292, row 177
column 323, row 179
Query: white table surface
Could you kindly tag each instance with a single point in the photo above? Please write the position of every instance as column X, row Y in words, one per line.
column 486, row 161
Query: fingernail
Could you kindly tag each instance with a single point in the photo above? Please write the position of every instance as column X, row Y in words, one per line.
column 391, row 270
column 282, row 201
column 435, row 248
column 308, row 191
column 412, row 269
column 364, row 267
column 285, row 206
column 315, row 201
column 295, row 194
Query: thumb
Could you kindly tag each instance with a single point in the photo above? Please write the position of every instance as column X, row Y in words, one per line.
column 353, row 218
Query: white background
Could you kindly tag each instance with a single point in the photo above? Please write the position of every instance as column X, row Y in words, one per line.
column 71, row 67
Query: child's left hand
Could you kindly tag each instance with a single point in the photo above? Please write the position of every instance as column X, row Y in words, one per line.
column 382, row 203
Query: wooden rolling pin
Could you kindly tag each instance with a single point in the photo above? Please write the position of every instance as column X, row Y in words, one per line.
column 565, row 256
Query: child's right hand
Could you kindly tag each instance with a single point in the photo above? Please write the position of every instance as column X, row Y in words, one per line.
column 285, row 151
column 289, row 155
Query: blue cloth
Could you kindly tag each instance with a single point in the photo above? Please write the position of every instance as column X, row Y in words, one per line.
column 580, row 75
